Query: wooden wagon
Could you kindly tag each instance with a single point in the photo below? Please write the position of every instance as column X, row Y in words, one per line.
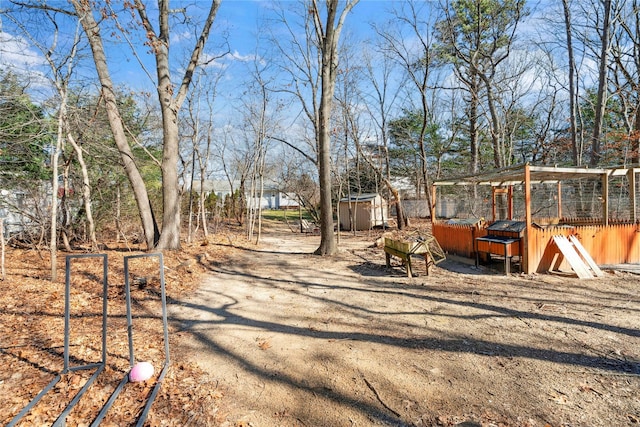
column 424, row 247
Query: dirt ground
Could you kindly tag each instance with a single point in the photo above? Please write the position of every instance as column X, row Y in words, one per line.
column 270, row 335
column 300, row 340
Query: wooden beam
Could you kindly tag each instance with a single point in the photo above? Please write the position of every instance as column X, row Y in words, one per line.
column 633, row 200
column 510, row 201
column 552, row 170
column 559, row 199
column 538, row 174
column 432, row 208
column 493, row 204
column 605, row 198
column 527, row 257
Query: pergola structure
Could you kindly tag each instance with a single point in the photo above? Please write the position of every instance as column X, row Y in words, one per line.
column 606, row 241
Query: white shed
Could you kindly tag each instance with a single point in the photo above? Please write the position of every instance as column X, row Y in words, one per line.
column 363, row 212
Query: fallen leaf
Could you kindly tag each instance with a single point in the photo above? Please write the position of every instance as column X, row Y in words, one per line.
column 264, row 345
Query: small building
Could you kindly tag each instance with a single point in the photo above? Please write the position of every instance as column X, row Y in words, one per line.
column 21, row 211
column 272, row 196
column 363, row 212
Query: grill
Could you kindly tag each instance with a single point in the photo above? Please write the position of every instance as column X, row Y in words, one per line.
column 504, row 240
column 513, row 229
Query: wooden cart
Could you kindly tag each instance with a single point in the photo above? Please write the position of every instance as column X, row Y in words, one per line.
column 425, row 247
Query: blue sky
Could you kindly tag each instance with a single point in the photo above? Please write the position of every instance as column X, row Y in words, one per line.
column 239, row 19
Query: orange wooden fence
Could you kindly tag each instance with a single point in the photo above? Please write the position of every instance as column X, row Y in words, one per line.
column 611, row 244
column 458, row 239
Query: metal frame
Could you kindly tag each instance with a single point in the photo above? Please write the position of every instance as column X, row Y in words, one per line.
column 165, row 368
column 60, row 421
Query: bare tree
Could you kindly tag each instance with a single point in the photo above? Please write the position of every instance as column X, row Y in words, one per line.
column 193, row 121
column 352, row 170
column 626, row 72
column 61, row 65
column 145, row 210
column 256, row 111
column 262, row 118
column 416, row 55
column 200, row 127
column 170, row 98
column 203, row 162
column 312, row 63
column 378, row 71
column 601, row 94
column 573, row 91
column 327, row 37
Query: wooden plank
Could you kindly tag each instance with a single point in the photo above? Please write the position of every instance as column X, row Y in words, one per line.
column 395, row 252
column 406, row 258
column 586, row 256
column 576, row 263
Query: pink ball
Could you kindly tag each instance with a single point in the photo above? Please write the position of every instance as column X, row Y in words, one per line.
column 141, row 371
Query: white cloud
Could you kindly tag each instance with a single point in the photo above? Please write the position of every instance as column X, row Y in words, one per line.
column 15, row 53
column 180, row 37
column 243, row 58
column 17, row 56
column 226, row 61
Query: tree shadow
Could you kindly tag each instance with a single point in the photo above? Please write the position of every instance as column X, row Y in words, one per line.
column 332, row 288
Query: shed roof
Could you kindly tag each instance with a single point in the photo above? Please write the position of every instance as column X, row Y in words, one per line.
column 365, row 197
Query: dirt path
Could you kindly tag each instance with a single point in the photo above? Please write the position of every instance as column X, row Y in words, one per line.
column 300, row 340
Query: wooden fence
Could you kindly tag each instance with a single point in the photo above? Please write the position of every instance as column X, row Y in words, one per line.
column 611, row 244
column 458, row 239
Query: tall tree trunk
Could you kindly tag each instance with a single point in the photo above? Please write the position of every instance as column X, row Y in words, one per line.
column 474, row 149
column 170, row 236
column 572, row 85
column 55, row 185
column 92, row 30
column 596, row 145
column 499, row 159
column 170, row 104
column 329, row 50
column 86, row 192
column 327, row 237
